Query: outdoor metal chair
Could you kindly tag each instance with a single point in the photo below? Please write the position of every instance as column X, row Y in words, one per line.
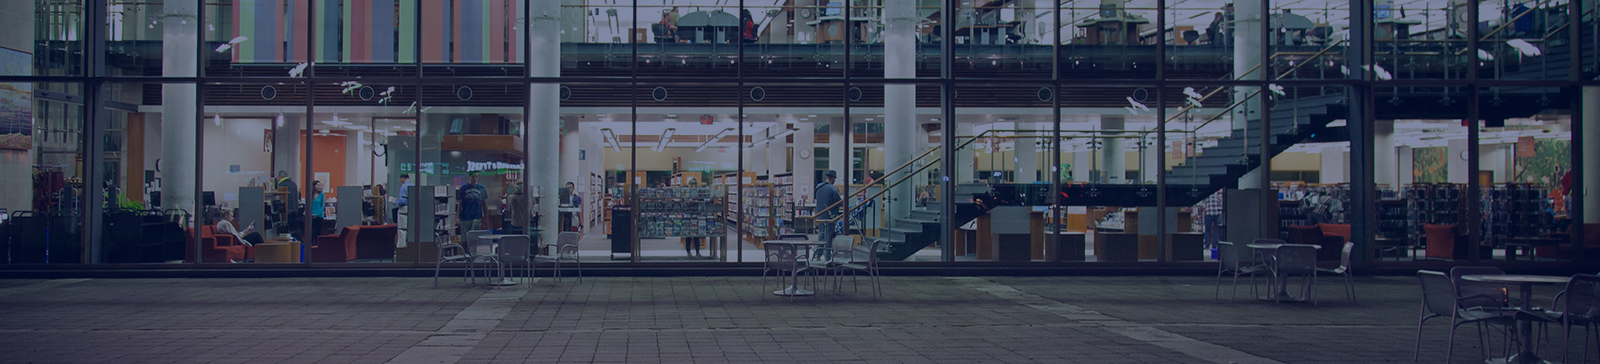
column 1480, row 294
column 830, row 262
column 1301, row 260
column 1344, row 269
column 566, row 249
column 1579, row 305
column 860, row 259
column 1228, row 261
column 516, row 249
column 470, row 240
column 1440, row 299
column 453, row 253
column 781, row 258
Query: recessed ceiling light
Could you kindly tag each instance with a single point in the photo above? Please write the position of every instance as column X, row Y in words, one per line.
column 812, row 116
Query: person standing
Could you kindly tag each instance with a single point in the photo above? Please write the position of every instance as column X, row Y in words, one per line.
column 1211, row 209
column 827, row 196
column 747, row 26
column 471, row 195
column 288, row 184
column 319, row 210
column 402, row 202
column 574, row 200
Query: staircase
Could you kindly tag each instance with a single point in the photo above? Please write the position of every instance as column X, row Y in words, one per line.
column 1293, row 121
column 909, row 235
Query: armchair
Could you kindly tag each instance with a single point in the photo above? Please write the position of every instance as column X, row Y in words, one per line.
column 336, row 248
column 1591, row 244
column 214, row 248
column 1313, row 235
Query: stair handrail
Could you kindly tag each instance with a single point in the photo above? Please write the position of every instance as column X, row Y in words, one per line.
column 1258, row 91
column 880, row 193
column 903, row 166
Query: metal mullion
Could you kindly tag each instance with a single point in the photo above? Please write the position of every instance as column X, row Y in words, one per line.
column 1055, row 136
column 948, row 113
column 306, row 225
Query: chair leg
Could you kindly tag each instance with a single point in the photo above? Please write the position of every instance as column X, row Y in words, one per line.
column 580, row 268
column 1450, row 344
column 1416, row 352
column 436, row 265
column 1217, row 293
column 1349, row 286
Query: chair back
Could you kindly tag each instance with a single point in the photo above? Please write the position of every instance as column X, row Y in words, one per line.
column 567, row 251
column 1297, row 259
column 843, row 242
column 469, row 240
column 1228, row 255
column 514, row 248
column 867, row 254
column 1438, row 295
column 1268, row 241
column 1344, row 257
column 1583, row 297
column 781, row 256
column 1479, row 294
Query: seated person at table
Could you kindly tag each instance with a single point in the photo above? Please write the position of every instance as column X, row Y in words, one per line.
column 225, row 225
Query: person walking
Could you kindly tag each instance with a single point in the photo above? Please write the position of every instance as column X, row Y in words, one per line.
column 827, row 196
column 1211, row 209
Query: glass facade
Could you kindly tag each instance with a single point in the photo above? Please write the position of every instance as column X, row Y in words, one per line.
column 1022, row 132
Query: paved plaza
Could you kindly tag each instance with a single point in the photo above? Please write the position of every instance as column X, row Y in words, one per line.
column 1148, row 319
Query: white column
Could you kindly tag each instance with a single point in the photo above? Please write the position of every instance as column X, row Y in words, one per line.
column 900, row 101
column 1335, row 165
column 1456, row 165
column 355, row 156
column 1246, row 56
column 1591, row 157
column 804, row 162
column 1148, row 159
column 1407, row 165
column 780, row 29
column 778, row 150
column 1386, row 164
column 1113, row 163
column 571, row 142
column 285, row 146
column 544, row 119
column 1082, row 163
column 179, row 43
column 838, row 158
column 1027, row 155
column 806, row 33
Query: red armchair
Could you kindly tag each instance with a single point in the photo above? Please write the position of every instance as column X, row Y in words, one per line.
column 215, row 248
column 336, row 248
column 1331, row 244
column 376, row 241
column 356, row 242
column 1341, row 230
column 1591, row 244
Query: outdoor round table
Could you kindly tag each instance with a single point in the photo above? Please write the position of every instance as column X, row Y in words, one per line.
column 805, row 247
column 493, row 242
column 1283, row 284
column 1524, row 327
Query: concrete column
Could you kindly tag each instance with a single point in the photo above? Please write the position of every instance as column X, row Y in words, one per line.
column 755, row 159
column 571, row 142
column 1591, row 157
column 778, row 150
column 1386, row 165
column 780, row 29
column 179, row 43
column 838, row 157
column 900, row 101
column 1113, row 163
column 544, row 119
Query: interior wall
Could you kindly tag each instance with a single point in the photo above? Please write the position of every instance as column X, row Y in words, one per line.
column 238, row 142
column 16, row 166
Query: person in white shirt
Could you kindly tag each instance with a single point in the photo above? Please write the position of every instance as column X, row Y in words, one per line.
column 225, row 226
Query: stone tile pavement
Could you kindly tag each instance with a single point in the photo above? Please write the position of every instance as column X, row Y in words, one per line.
column 1154, row 319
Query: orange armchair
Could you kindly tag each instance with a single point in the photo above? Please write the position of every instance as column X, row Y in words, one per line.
column 336, row 247
column 215, row 248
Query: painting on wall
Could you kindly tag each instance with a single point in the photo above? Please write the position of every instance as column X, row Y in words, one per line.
column 1428, row 164
column 16, row 101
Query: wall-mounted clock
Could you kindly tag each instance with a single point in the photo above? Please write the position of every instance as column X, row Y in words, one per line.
column 805, row 154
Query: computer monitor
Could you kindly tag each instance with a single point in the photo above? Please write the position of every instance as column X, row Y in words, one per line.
column 833, row 9
column 209, row 197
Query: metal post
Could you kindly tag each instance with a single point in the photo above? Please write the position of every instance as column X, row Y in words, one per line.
column 1359, row 97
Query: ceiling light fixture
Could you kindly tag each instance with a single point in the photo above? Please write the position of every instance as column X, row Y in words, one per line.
column 666, row 137
column 605, row 133
column 714, row 139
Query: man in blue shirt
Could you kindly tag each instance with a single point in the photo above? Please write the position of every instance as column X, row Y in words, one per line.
column 471, row 195
column 405, row 188
column 827, row 196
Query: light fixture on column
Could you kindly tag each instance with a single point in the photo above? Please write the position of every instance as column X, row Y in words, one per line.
column 714, row 139
column 280, row 120
column 666, row 137
column 216, row 119
column 611, row 138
